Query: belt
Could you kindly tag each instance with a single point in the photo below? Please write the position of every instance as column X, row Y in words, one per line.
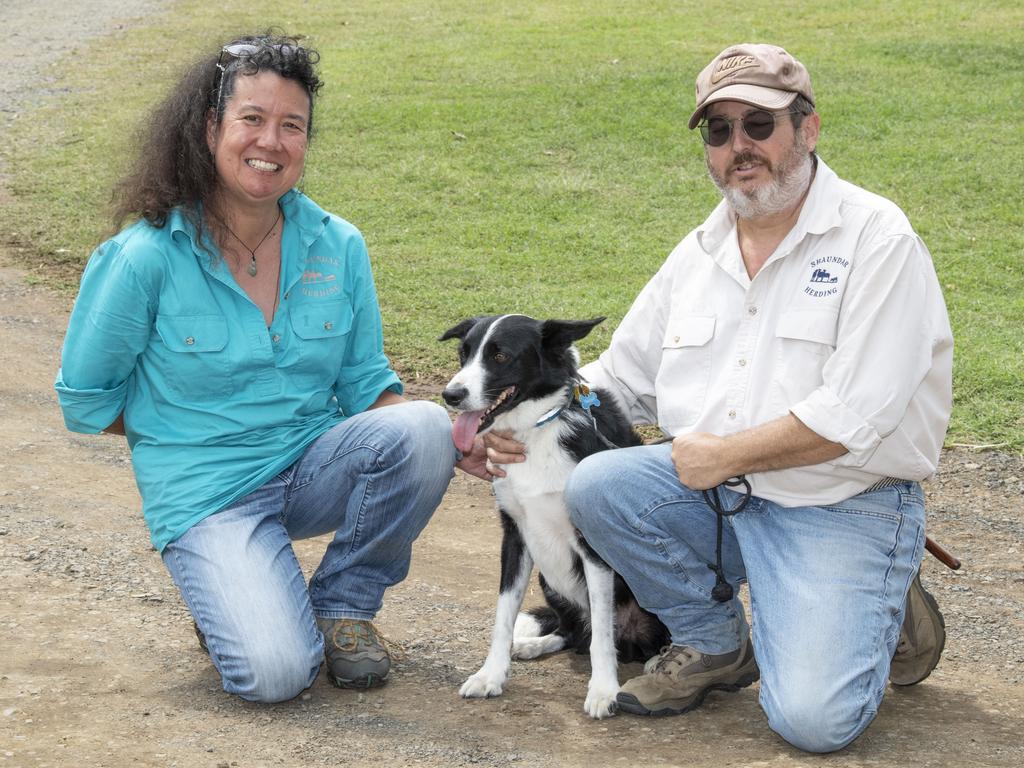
column 885, row 482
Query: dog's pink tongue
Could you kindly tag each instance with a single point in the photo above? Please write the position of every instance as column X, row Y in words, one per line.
column 464, row 429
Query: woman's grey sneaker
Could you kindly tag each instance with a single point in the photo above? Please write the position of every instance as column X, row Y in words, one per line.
column 922, row 638
column 356, row 656
column 678, row 680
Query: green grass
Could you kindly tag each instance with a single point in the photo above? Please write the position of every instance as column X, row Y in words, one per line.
column 535, row 158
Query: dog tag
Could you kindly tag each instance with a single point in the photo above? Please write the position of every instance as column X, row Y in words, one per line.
column 588, row 400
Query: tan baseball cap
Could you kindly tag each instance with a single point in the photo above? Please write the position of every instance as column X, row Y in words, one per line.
column 753, row 73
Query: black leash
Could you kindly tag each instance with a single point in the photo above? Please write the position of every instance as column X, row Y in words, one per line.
column 723, row 591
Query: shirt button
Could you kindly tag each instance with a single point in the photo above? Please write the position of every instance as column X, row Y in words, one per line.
column 190, row 340
column 675, row 339
column 732, row 414
column 742, row 363
column 328, row 325
column 751, row 310
column 276, row 337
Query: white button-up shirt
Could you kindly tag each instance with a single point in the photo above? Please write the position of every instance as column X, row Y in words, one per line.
column 844, row 326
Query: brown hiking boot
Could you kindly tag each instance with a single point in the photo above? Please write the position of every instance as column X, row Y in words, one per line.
column 678, row 680
column 356, row 656
column 922, row 638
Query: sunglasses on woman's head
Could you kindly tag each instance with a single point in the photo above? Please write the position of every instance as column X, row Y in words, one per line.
column 758, row 124
column 241, row 51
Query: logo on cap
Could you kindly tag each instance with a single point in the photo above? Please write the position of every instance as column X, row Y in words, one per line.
column 732, row 65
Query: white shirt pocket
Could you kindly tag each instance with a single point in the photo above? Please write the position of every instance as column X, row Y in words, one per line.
column 805, row 340
column 682, row 381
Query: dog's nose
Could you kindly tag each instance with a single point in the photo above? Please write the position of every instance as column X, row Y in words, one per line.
column 454, row 395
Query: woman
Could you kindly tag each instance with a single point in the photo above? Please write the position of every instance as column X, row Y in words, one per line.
column 233, row 335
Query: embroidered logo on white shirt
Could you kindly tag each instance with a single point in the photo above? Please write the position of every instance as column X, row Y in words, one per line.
column 824, row 278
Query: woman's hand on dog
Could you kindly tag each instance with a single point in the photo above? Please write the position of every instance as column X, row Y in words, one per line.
column 489, row 453
column 475, row 462
column 502, row 449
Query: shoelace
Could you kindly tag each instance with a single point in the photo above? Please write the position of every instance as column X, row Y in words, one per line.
column 669, row 654
column 359, row 634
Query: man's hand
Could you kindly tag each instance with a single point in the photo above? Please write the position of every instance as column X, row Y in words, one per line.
column 704, row 460
column 700, row 460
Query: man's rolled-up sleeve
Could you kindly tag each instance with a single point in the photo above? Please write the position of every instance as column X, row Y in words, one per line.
column 884, row 349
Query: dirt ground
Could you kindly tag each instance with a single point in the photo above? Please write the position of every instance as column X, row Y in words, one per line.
column 99, row 666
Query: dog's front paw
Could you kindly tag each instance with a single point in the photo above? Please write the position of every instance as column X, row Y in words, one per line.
column 600, row 702
column 482, row 685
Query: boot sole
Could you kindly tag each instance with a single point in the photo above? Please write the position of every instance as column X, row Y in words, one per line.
column 360, row 683
column 627, row 702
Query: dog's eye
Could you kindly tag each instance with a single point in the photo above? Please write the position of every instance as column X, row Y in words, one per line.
column 500, row 357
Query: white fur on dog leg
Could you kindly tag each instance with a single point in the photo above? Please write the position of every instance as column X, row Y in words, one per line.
column 483, row 685
column 490, row 678
column 604, row 671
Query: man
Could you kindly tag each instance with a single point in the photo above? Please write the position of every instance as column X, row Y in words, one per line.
column 798, row 338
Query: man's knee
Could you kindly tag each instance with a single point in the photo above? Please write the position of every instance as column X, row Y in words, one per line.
column 816, row 723
column 587, row 489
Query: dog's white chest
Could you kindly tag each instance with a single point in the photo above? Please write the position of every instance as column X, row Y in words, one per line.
column 550, row 538
column 546, row 469
column 532, row 494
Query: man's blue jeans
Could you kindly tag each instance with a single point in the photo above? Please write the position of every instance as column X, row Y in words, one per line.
column 374, row 481
column 827, row 584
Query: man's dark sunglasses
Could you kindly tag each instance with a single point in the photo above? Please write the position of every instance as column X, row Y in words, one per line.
column 758, row 125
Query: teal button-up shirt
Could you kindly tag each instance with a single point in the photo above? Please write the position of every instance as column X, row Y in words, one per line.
column 214, row 402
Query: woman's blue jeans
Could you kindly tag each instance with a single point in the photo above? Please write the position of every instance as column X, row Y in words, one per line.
column 827, row 584
column 373, row 481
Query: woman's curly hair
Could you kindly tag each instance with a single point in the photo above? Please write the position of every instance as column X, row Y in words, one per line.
column 174, row 166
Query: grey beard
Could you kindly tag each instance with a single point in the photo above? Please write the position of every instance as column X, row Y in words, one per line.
column 788, row 183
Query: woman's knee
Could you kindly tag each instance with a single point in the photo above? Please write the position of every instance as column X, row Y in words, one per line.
column 271, row 672
column 426, row 432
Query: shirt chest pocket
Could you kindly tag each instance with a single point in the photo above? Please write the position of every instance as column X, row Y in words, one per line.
column 192, row 357
column 805, row 340
column 682, row 380
column 321, row 335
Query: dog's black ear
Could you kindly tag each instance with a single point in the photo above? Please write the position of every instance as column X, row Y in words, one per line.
column 559, row 334
column 458, row 331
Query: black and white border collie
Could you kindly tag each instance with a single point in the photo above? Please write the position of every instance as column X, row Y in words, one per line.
column 520, row 375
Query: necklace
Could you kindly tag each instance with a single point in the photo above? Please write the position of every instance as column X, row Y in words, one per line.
column 251, row 269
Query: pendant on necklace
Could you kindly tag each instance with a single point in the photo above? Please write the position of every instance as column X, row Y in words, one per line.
column 251, row 269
